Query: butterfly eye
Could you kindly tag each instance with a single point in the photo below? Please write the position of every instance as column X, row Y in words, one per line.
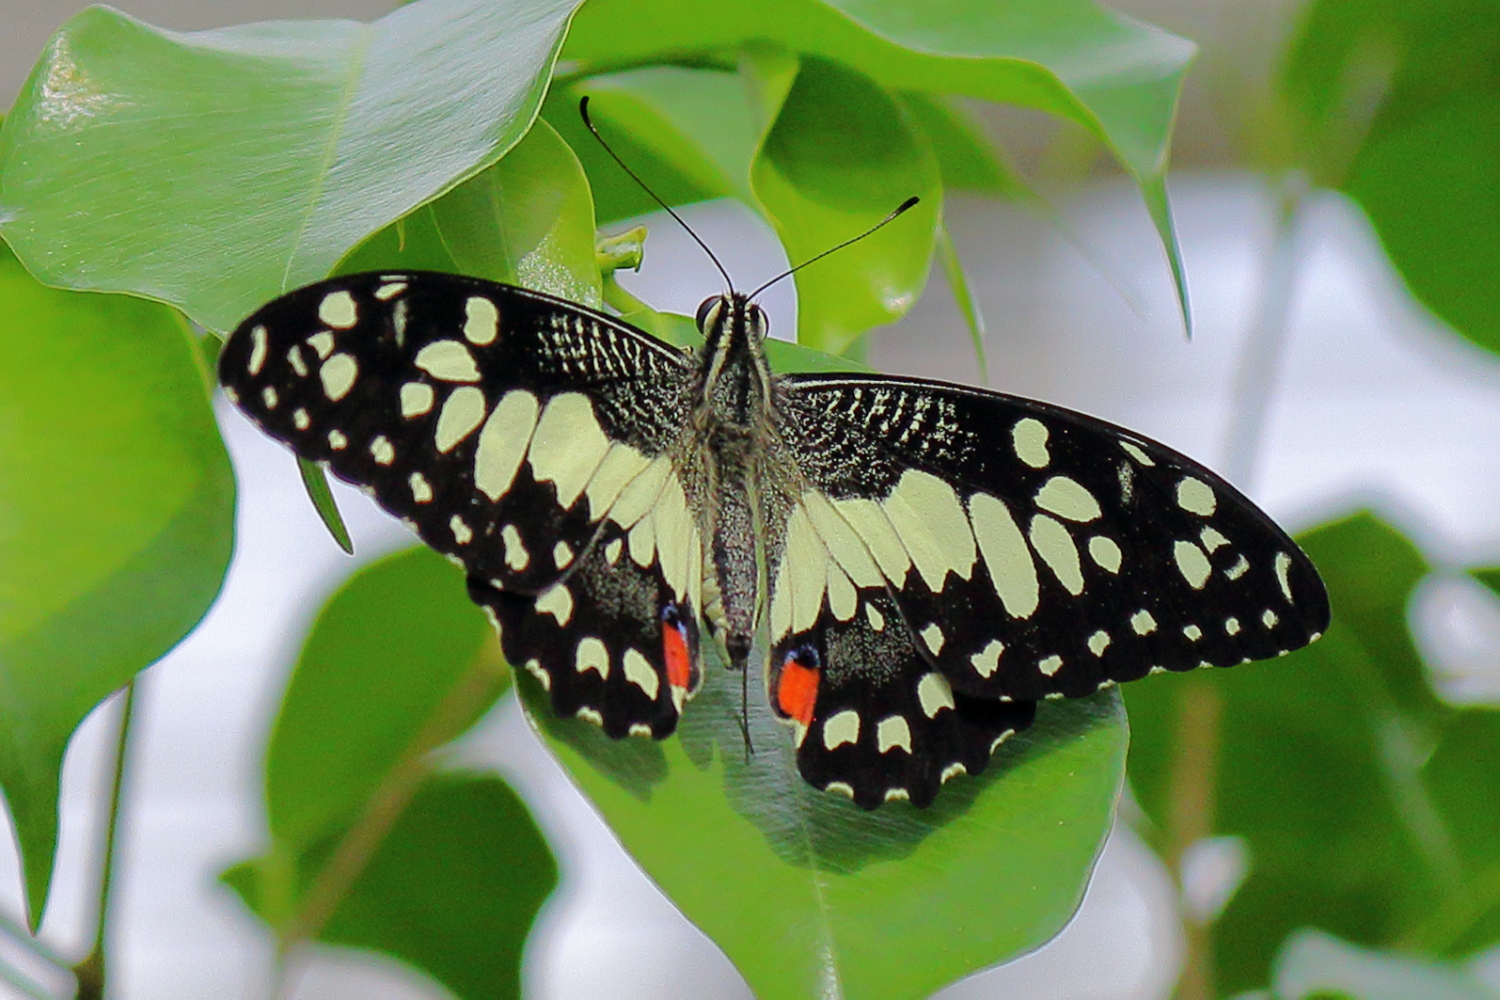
column 705, row 310
column 759, row 325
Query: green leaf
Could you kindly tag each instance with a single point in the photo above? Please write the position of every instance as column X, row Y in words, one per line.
column 810, row 895
column 452, row 890
column 315, row 482
column 387, row 656
column 527, row 221
column 116, row 521
column 1116, row 76
column 1324, row 767
column 1399, row 106
column 967, row 160
column 216, row 169
column 1313, row 964
column 839, row 158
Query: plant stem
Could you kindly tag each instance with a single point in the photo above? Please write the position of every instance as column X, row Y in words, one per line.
column 390, row 798
column 1194, row 780
column 91, row 971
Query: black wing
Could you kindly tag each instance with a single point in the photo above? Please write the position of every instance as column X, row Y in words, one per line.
column 1017, row 551
column 516, row 433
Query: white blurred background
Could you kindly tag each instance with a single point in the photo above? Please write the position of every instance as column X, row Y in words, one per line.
column 1374, row 403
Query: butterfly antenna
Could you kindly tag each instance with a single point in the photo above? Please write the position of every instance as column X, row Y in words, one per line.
column 908, row 203
column 583, row 110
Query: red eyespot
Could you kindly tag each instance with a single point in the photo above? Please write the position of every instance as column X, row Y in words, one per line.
column 675, row 649
column 797, row 687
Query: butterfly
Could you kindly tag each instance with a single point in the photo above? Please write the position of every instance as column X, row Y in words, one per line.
column 910, row 565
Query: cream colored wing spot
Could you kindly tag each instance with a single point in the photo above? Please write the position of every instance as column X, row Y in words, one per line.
column 934, row 694
column 929, row 519
column 643, row 542
column 1006, row 555
column 322, row 344
column 1196, row 497
column 1192, row 564
column 612, row 551
column 301, row 419
column 257, row 350
column 562, row 555
column 421, row 489
column 841, row 727
column 338, row 374
column 1136, row 453
column 1239, row 569
column 932, row 638
column 462, row 411
column 1029, row 439
column 338, row 310
column 1193, row 632
column 382, row 451
column 503, row 442
column 516, row 556
column 797, row 594
column 1211, row 539
column 638, row 671
column 481, row 320
column 390, row 290
column 534, row 667
column 416, row 399
column 568, row 446
column 448, row 360
column 1268, row 618
column 337, row 441
column 639, row 496
column 676, row 531
column 874, row 617
column 1283, row 566
column 952, row 771
column 874, row 528
column 1105, row 553
column 843, row 599
column 1099, row 642
column 842, row 540
column 1055, row 545
column 1068, row 499
column 462, row 533
column 620, row 466
column 840, row 788
column 1143, row 621
column 593, row 655
column 1232, row 626
column 897, row 795
column 891, row 733
column 987, row 660
column 1049, row 666
column 295, row 359
column 590, row 715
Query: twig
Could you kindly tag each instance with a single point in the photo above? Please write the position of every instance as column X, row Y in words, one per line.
column 91, row 971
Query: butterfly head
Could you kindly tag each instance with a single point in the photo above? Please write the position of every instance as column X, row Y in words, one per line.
column 734, row 375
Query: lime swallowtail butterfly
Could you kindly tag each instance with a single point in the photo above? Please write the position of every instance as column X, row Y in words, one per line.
column 910, row 566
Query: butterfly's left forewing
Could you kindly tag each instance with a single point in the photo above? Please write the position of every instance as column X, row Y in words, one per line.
column 530, row 439
column 956, row 555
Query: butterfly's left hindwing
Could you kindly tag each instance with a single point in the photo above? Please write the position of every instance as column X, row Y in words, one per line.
column 530, row 439
column 951, row 547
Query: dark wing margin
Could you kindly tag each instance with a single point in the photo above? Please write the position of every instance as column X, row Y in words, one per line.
column 957, row 555
column 527, row 438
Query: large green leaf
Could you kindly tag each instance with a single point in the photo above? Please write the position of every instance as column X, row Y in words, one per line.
column 386, row 652
column 1366, row 805
column 116, row 521
column 810, row 895
column 1399, row 106
column 1116, row 76
column 453, row 888
column 367, row 848
column 216, row 169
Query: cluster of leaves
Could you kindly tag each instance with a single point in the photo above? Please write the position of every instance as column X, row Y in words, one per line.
column 196, row 176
